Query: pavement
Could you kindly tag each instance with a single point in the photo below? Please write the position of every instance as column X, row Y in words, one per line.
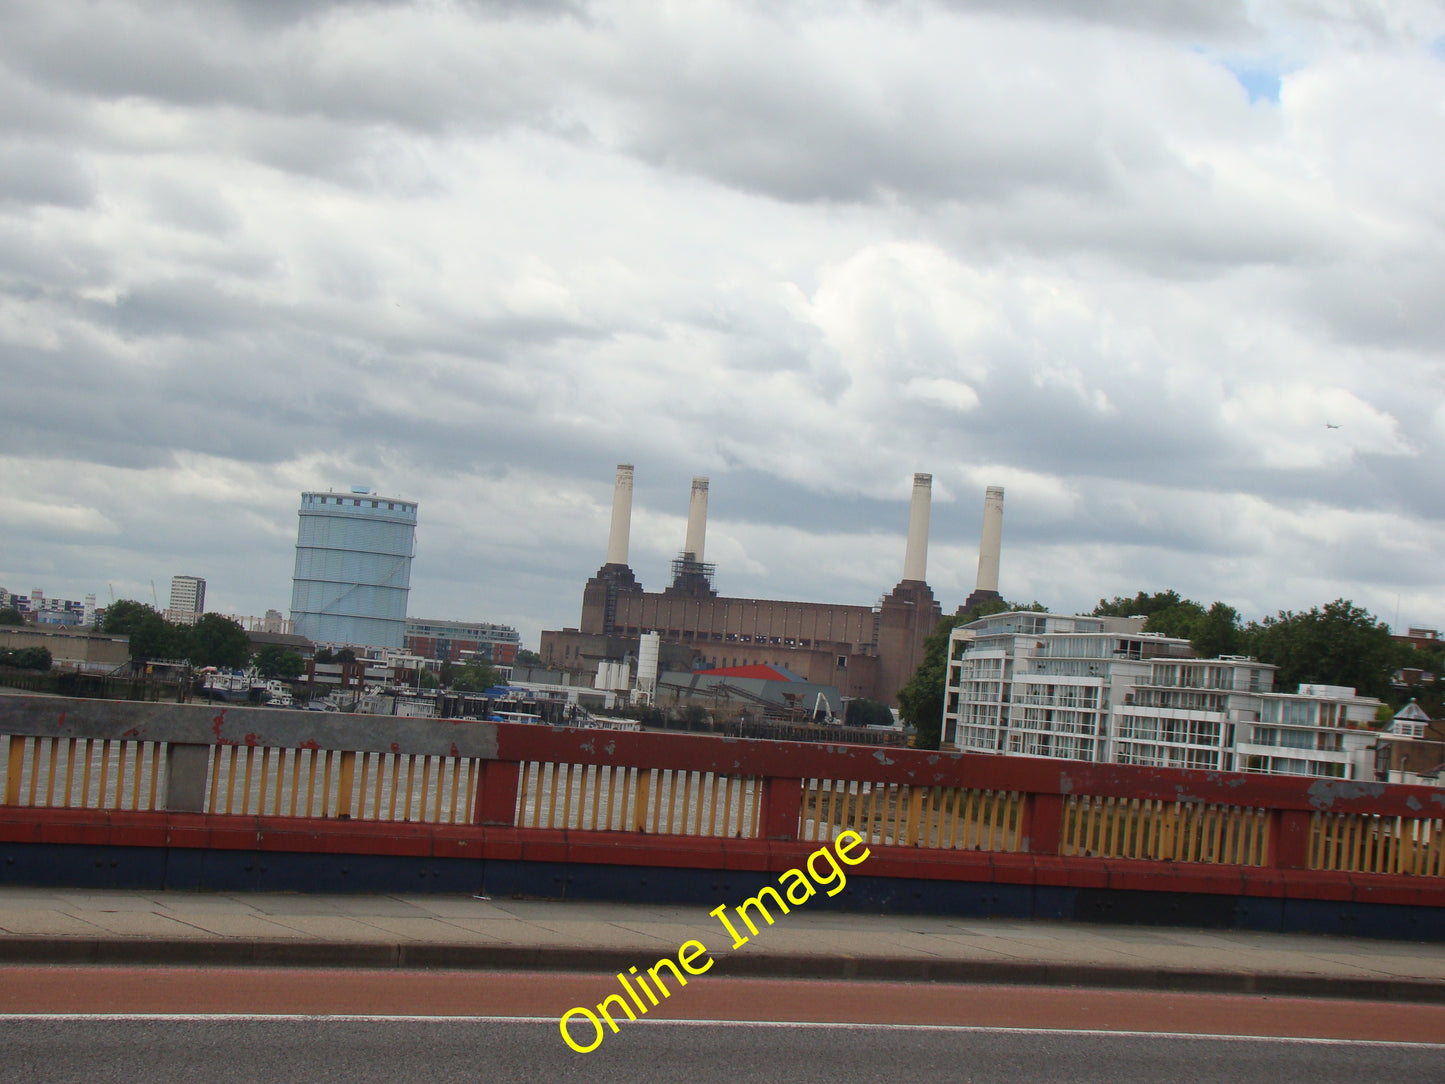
column 81, row 926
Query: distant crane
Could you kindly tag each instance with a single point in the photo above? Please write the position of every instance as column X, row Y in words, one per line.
column 154, row 597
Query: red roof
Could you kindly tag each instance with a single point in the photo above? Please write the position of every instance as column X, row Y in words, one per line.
column 761, row 671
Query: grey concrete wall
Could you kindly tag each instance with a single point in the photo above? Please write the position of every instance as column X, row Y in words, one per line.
column 210, row 724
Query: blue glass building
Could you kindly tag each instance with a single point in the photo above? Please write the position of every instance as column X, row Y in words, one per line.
column 353, row 568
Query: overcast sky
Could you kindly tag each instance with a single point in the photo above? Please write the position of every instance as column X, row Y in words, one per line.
column 1130, row 265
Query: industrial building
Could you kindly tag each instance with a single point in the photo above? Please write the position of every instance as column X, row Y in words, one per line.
column 353, row 568
column 861, row 650
column 1100, row 689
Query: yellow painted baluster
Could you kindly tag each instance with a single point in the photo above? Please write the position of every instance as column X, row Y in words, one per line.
column 14, row 766
column 915, row 814
column 34, row 769
column 641, row 790
column 344, row 787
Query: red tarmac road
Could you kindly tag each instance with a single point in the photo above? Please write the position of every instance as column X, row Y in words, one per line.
column 284, row 991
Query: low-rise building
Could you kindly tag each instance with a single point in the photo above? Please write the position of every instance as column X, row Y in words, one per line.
column 81, row 650
column 450, row 640
column 1101, row 689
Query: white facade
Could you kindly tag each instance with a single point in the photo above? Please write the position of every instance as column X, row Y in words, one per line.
column 188, row 596
column 1099, row 689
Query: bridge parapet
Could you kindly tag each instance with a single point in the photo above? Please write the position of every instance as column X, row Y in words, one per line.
column 113, row 773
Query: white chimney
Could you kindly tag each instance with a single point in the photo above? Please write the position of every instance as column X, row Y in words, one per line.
column 696, row 520
column 621, row 516
column 991, row 543
column 915, row 558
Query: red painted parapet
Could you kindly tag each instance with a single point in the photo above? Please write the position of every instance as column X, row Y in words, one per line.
column 92, row 769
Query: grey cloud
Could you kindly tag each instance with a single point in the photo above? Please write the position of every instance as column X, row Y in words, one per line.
column 1208, row 17
column 37, row 174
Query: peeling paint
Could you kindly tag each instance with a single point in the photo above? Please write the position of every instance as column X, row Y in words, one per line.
column 1325, row 792
column 396, row 747
column 1066, row 784
column 455, row 751
column 882, row 757
column 251, row 741
column 932, row 759
column 1413, row 803
column 610, row 748
column 310, row 743
column 588, row 747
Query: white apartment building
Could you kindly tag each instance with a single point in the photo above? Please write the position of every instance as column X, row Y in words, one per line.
column 1100, row 689
column 188, row 600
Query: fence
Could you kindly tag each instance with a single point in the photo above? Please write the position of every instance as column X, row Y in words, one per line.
column 686, row 800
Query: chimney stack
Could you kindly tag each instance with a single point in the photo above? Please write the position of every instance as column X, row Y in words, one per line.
column 915, row 557
column 621, row 516
column 696, row 521
column 991, row 542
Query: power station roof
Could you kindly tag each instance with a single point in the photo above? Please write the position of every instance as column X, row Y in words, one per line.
column 758, row 671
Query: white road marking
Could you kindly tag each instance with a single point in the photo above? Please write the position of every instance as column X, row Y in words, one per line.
column 964, row 1028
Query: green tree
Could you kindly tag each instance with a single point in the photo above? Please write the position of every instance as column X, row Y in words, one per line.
column 1213, row 632
column 27, row 658
column 274, row 661
column 475, row 677
column 1218, row 632
column 11, row 616
column 1337, row 644
column 920, row 702
column 324, row 655
column 151, row 635
column 427, row 680
column 218, row 641
column 1141, row 605
column 345, row 655
column 1182, row 620
column 528, row 658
